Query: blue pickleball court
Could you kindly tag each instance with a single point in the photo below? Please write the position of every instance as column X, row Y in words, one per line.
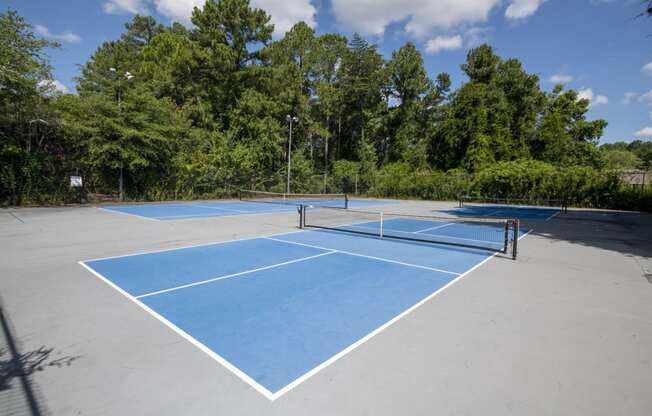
column 528, row 213
column 208, row 209
column 275, row 310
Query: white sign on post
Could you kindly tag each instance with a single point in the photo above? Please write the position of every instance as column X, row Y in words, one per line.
column 76, row 182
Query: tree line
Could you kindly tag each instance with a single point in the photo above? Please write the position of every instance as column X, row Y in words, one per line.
column 178, row 112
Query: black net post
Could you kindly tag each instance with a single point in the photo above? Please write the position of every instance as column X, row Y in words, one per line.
column 516, row 236
column 302, row 209
column 506, row 246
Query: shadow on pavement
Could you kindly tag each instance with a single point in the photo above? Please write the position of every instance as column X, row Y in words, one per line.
column 19, row 396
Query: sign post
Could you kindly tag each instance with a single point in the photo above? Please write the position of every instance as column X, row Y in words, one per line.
column 77, row 183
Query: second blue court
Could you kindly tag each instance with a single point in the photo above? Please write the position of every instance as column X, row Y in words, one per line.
column 275, row 310
column 507, row 211
column 206, row 209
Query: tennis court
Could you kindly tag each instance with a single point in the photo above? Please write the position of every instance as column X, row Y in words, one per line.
column 395, row 309
column 207, row 209
column 275, row 310
column 543, row 210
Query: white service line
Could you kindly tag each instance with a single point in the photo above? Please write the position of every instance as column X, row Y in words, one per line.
column 363, row 255
column 114, row 211
column 553, row 216
column 434, row 228
column 369, row 227
column 230, row 276
column 212, row 243
column 193, row 216
column 219, row 208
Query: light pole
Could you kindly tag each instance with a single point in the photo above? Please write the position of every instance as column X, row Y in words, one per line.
column 128, row 76
column 290, row 120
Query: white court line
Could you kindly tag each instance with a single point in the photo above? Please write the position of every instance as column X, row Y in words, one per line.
column 213, row 243
column 450, row 237
column 207, row 215
column 365, row 256
column 194, row 216
column 113, row 211
column 433, row 228
column 218, row 208
column 370, row 227
column 230, row 276
column 235, row 370
column 553, row 216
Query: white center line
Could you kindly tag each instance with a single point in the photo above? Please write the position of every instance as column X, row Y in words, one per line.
column 217, row 208
column 434, row 228
column 365, row 256
column 230, row 276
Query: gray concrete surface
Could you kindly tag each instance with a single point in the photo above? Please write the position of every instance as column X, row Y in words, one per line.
column 565, row 330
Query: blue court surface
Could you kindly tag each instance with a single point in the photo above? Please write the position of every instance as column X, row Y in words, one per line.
column 506, row 211
column 275, row 310
column 204, row 209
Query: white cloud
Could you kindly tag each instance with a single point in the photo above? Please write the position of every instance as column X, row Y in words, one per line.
column 561, row 79
column 125, row 6
column 475, row 36
column 644, row 132
column 519, row 9
column 53, row 86
column 287, row 13
column 647, row 68
column 67, row 37
column 441, row 43
column 630, row 97
column 284, row 13
column 643, row 97
column 588, row 94
column 424, row 17
column 179, row 10
column 59, row 86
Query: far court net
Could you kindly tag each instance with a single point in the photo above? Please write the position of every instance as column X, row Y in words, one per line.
column 340, row 201
column 495, row 235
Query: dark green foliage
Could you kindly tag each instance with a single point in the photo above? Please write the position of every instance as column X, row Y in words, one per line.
column 200, row 112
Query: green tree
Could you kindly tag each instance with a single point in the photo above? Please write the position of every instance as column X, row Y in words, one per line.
column 409, row 86
column 326, row 58
column 25, row 119
column 481, row 64
column 524, row 102
column 139, row 137
column 364, row 81
column 621, row 159
column 564, row 136
column 229, row 34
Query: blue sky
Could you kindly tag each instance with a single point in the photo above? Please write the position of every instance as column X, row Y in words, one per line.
column 597, row 47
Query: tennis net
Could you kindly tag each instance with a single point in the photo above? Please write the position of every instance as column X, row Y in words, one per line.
column 496, row 235
column 321, row 200
column 559, row 204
